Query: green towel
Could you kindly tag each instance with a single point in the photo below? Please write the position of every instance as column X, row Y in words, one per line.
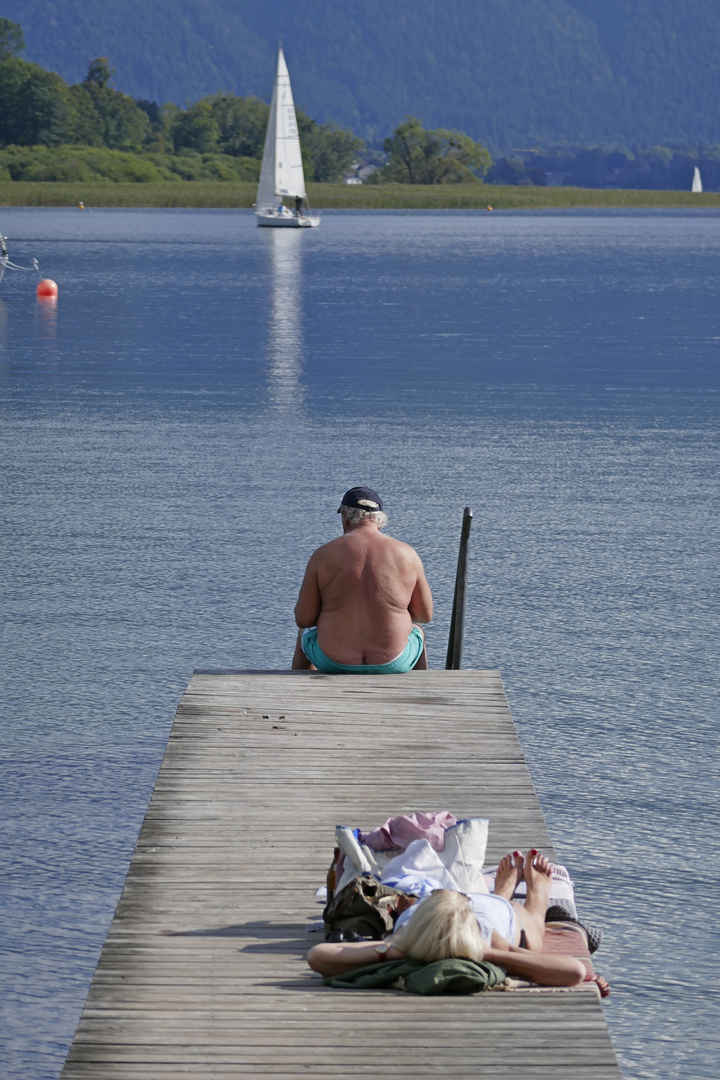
column 450, row 976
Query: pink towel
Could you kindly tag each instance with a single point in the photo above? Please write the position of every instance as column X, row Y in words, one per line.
column 398, row 832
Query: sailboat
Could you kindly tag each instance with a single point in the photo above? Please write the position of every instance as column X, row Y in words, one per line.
column 697, row 181
column 281, row 173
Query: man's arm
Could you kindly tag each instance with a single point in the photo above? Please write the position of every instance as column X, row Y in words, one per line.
column 421, row 604
column 309, row 601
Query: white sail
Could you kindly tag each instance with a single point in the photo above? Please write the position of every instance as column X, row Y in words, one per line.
column 266, row 188
column 282, row 171
column 289, row 177
column 697, row 181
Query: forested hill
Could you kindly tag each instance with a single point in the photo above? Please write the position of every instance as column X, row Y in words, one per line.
column 513, row 73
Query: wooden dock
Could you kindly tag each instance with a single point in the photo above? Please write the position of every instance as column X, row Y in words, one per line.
column 203, row 972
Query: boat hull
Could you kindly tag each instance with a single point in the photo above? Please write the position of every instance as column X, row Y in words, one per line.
column 286, row 221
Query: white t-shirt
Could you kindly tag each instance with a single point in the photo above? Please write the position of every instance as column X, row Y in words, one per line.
column 491, row 912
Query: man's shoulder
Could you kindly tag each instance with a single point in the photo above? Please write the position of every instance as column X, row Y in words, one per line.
column 400, row 545
column 328, row 548
column 376, row 540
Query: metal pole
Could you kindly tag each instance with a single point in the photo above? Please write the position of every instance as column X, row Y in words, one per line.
column 457, row 620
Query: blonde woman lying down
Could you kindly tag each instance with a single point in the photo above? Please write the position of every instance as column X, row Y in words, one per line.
column 477, row 927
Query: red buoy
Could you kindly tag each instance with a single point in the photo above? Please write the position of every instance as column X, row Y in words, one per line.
column 47, row 287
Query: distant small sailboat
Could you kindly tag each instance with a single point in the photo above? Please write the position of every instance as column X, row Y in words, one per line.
column 697, row 181
column 6, row 264
column 281, row 173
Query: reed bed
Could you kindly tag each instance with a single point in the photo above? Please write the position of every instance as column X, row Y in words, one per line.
column 181, row 194
column 241, row 195
column 479, row 197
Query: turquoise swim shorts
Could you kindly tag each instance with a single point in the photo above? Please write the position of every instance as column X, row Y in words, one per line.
column 406, row 661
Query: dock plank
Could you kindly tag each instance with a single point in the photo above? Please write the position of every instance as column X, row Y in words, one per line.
column 203, row 972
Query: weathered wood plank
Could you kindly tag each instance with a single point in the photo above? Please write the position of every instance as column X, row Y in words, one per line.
column 203, row 970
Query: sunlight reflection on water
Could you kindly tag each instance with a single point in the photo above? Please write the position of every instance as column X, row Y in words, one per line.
column 285, row 346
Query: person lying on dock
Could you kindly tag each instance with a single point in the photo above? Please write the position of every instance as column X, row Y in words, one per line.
column 452, row 924
column 361, row 598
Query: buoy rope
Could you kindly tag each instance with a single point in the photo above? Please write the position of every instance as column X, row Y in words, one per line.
column 7, row 265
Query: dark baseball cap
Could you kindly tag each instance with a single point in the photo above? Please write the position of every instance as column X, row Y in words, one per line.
column 360, row 497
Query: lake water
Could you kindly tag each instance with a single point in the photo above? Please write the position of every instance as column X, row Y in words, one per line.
column 176, row 433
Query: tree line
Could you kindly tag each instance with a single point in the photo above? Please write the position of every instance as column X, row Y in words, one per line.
column 527, row 73
column 50, row 130
column 39, row 109
column 656, row 168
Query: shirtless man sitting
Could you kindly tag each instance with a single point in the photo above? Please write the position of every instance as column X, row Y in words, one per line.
column 362, row 597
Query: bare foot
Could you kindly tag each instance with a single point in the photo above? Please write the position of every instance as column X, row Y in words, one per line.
column 509, row 875
column 537, row 872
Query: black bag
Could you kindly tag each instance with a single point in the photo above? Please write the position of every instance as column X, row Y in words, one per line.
column 362, row 909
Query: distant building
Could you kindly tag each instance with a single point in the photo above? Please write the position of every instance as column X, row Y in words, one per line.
column 359, row 171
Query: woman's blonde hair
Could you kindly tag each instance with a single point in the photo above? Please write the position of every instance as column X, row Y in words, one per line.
column 443, row 925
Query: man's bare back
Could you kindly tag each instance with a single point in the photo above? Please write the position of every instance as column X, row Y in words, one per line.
column 363, row 591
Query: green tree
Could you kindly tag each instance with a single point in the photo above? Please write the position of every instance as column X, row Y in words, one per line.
column 590, row 168
column 12, row 41
column 35, row 104
column 328, row 150
column 35, row 107
column 508, row 170
column 242, row 123
column 103, row 116
column 658, row 161
column 159, row 140
column 99, row 73
column 196, row 129
column 417, row 156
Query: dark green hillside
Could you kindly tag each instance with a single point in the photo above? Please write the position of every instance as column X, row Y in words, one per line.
column 164, row 50
column 512, row 73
